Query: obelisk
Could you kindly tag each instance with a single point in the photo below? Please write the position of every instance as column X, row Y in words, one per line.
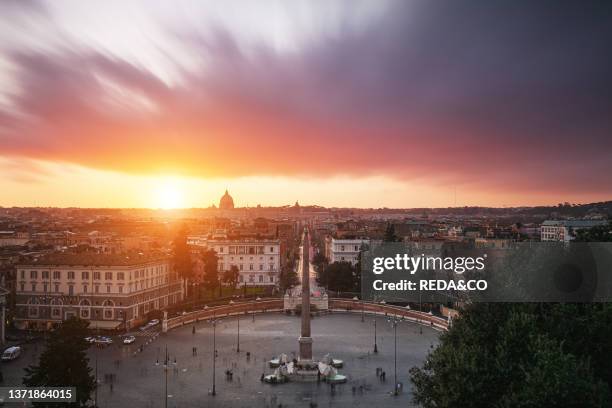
column 305, row 340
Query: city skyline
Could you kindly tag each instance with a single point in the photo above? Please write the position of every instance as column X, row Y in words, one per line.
column 362, row 104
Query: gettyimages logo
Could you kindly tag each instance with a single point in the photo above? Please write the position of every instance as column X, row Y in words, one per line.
column 414, row 264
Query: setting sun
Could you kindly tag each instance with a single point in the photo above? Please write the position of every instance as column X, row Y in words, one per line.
column 168, row 195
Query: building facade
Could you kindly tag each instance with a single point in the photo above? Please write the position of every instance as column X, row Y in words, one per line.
column 111, row 291
column 344, row 250
column 257, row 260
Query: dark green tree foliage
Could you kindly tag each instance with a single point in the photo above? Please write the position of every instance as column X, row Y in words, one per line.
column 340, row 276
column 602, row 233
column 231, row 276
column 182, row 256
column 521, row 355
column 390, row 234
column 288, row 277
column 64, row 363
column 319, row 261
column 211, row 273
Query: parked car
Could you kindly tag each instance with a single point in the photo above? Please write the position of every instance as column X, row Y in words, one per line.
column 11, row 353
column 104, row 340
column 90, row 339
column 129, row 339
column 153, row 322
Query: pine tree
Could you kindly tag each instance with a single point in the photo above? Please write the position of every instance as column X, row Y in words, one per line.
column 64, row 363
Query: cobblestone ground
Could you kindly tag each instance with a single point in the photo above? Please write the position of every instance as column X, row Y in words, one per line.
column 129, row 378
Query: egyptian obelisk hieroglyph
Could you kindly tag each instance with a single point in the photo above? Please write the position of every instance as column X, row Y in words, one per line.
column 305, row 340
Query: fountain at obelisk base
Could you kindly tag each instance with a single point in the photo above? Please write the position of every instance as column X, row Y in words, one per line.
column 304, row 368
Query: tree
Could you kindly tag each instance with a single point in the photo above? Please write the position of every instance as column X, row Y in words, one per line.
column 288, row 276
column 520, row 355
column 390, row 234
column 211, row 274
column 64, row 362
column 182, row 256
column 600, row 233
column 319, row 261
column 339, row 276
column 231, row 276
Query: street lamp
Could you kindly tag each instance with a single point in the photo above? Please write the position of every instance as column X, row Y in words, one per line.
column 238, row 340
column 214, row 324
column 395, row 321
column 166, row 365
column 362, row 311
column 375, row 343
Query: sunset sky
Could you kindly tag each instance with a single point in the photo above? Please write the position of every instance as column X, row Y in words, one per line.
column 336, row 103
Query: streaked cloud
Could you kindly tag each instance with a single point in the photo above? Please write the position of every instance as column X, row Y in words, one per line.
column 507, row 99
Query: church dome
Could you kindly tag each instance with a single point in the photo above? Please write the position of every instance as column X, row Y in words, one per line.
column 226, row 202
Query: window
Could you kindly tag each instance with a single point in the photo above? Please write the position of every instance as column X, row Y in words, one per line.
column 271, row 249
column 272, row 279
column 45, row 274
column 84, row 288
column 250, row 278
column 33, row 274
column 85, row 275
column 120, row 289
column 22, row 286
column 260, row 278
column 241, row 278
column 33, row 287
column 96, row 275
column 271, row 267
column 356, row 247
column 70, row 290
column 97, row 288
column 55, row 312
column 33, row 311
column 85, row 313
column 241, row 267
column 45, row 288
column 22, row 274
column 108, row 276
column 56, row 287
column 261, row 267
column 250, row 267
column 108, row 313
column 120, row 276
column 57, row 275
column 71, row 275
column 108, row 288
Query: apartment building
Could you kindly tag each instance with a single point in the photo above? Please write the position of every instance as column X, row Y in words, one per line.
column 258, row 260
column 110, row 290
column 344, row 249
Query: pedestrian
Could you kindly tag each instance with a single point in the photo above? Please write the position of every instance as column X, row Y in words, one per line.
column 195, row 350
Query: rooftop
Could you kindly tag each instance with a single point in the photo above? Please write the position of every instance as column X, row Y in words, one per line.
column 94, row 259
